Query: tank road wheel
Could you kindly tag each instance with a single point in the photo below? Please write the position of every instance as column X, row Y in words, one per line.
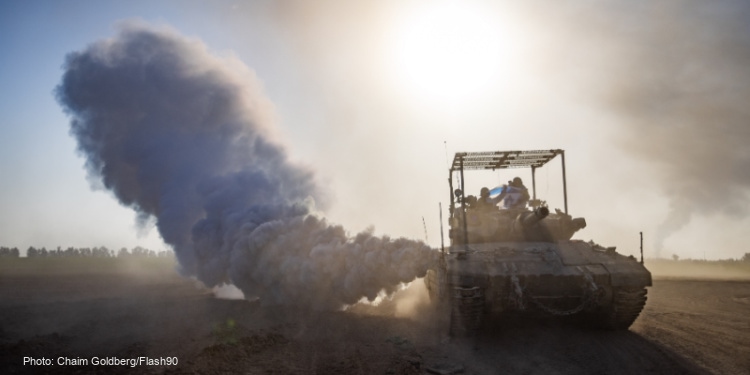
column 466, row 310
column 627, row 304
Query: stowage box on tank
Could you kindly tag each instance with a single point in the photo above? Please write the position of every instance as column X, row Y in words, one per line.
column 521, row 257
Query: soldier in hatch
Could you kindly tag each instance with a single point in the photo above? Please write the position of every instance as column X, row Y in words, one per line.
column 485, row 201
column 514, row 195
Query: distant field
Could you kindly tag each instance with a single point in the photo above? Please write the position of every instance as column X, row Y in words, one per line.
column 58, row 266
column 699, row 269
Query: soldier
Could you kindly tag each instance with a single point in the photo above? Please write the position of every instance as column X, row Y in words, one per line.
column 485, row 201
column 515, row 195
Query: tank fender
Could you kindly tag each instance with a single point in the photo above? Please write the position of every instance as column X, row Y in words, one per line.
column 628, row 274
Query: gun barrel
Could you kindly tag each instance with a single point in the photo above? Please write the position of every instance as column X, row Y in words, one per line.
column 534, row 217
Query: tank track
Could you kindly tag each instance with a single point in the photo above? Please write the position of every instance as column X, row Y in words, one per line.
column 466, row 310
column 627, row 304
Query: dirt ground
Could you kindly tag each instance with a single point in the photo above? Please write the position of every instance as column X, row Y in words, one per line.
column 687, row 327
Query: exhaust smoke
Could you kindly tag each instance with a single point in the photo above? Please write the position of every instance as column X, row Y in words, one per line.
column 186, row 137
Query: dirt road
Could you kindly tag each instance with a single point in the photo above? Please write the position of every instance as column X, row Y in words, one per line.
column 689, row 327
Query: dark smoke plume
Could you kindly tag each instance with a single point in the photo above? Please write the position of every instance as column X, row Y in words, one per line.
column 185, row 137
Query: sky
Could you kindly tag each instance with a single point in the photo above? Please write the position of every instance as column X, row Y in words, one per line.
column 649, row 101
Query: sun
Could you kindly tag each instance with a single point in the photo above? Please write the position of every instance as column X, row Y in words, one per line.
column 448, row 52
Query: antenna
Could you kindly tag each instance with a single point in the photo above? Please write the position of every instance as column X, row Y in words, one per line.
column 442, row 241
column 641, row 247
column 447, row 162
column 426, row 240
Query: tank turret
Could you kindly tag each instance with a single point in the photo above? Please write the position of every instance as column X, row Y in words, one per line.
column 529, row 219
column 498, row 225
column 527, row 225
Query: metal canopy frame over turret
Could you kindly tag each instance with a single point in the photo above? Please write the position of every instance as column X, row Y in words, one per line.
column 492, row 160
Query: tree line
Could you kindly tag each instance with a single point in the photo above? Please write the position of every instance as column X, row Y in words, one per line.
column 93, row 252
column 744, row 258
column 6, row 252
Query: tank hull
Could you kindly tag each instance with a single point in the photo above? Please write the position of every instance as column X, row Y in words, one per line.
column 561, row 278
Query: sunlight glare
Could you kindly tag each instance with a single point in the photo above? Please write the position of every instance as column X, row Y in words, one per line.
column 449, row 52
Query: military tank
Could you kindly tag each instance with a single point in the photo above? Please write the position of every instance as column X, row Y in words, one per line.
column 521, row 258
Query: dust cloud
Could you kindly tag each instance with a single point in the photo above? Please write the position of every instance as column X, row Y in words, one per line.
column 412, row 301
column 227, row 291
column 675, row 73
